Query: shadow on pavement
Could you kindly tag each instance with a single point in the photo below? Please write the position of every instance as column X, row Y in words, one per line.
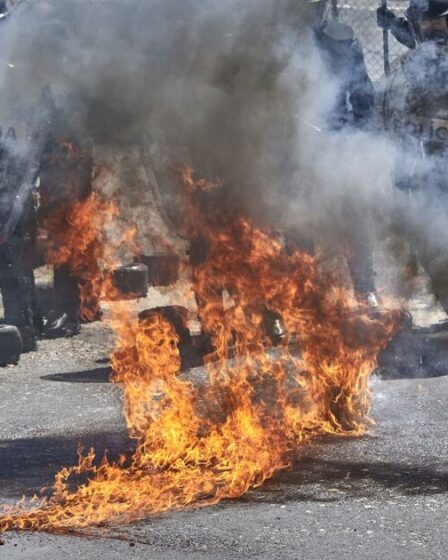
column 96, row 375
column 29, row 464
column 317, row 480
column 190, row 359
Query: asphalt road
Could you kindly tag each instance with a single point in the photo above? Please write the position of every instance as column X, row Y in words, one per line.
column 381, row 496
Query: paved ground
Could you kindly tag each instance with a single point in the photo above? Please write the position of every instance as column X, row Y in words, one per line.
column 383, row 496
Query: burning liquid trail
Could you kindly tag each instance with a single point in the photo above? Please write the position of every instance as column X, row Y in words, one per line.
column 269, row 405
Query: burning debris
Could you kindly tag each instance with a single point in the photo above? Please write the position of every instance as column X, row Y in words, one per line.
column 316, row 384
column 289, row 346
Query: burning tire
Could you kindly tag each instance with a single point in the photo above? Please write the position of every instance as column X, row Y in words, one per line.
column 131, row 280
column 176, row 315
column 10, row 345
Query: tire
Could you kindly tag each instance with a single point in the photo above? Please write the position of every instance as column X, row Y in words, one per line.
column 176, row 315
column 131, row 280
column 10, row 345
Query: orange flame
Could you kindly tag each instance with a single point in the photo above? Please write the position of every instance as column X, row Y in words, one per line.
column 78, row 239
column 198, row 444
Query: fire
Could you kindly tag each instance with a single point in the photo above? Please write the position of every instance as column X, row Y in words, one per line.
column 196, row 444
column 75, row 221
column 75, row 236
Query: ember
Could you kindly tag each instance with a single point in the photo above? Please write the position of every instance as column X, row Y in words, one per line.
column 316, row 382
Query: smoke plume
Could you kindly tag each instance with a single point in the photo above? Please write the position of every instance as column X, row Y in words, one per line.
column 236, row 89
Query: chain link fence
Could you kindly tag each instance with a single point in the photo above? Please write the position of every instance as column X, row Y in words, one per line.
column 361, row 15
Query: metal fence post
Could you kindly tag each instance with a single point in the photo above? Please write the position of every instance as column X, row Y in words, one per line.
column 334, row 9
column 385, row 43
column 380, row 49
